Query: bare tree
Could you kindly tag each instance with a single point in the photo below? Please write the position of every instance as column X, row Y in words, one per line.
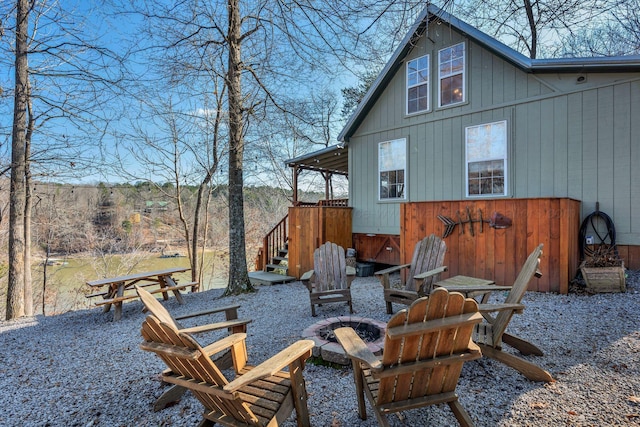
column 16, row 282
column 64, row 87
column 182, row 148
column 274, row 52
column 534, row 27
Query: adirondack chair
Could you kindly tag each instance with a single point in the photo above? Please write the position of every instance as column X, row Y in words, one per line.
column 490, row 334
column 330, row 280
column 223, row 359
column 424, row 270
column 424, row 349
column 264, row 395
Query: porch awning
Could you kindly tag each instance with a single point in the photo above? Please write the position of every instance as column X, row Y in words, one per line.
column 333, row 159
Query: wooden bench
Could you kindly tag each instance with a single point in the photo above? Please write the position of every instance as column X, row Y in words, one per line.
column 178, row 287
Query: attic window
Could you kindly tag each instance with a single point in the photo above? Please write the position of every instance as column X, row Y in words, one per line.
column 418, row 85
column 451, row 65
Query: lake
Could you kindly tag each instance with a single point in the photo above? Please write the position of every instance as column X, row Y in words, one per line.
column 67, row 277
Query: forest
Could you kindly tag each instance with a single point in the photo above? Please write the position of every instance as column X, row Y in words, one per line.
column 131, row 223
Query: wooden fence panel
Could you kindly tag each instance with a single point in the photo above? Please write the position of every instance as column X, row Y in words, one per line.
column 498, row 253
column 309, row 227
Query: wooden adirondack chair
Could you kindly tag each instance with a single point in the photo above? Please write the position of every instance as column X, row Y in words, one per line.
column 330, row 280
column 264, row 395
column 223, row 360
column 424, row 270
column 424, row 349
column 490, row 334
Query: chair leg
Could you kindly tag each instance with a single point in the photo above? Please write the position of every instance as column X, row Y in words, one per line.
column 461, row 414
column 359, row 380
column 299, row 392
column 389, row 308
column 172, row 395
column 524, row 347
column 313, row 310
column 528, row 369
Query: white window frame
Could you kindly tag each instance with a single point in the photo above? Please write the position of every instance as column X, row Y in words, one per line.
column 392, row 157
column 451, row 73
column 416, row 79
column 486, row 143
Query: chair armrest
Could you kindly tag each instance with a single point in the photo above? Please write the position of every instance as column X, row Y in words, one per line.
column 489, row 308
column 356, row 348
column 206, row 312
column 391, row 269
column 214, row 326
column 307, row 276
column 430, row 273
column 224, row 343
column 298, row 350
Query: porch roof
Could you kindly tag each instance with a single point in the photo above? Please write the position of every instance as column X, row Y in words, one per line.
column 333, row 159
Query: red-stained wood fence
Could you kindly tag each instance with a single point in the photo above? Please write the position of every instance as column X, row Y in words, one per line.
column 494, row 253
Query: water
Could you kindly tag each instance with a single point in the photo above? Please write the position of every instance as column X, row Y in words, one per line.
column 66, row 277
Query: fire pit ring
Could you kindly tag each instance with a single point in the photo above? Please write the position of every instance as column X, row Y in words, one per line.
column 327, row 347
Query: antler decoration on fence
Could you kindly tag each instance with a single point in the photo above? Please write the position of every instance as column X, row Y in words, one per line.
column 497, row 220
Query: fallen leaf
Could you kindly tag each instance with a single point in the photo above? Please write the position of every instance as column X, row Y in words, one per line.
column 634, row 399
column 538, row 405
column 632, row 416
column 572, row 413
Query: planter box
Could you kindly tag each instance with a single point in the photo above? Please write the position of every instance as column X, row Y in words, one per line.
column 604, row 279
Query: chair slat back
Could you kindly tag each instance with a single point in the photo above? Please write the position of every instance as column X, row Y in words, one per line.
column 198, row 366
column 154, row 307
column 330, row 267
column 424, row 346
column 529, row 269
column 428, row 254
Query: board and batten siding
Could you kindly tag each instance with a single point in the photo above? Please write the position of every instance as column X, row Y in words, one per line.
column 566, row 139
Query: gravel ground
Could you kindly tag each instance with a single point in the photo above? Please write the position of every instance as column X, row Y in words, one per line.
column 82, row 369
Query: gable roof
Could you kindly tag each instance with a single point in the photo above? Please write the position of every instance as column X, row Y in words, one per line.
column 432, row 13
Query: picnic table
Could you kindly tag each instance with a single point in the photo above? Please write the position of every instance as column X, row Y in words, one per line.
column 115, row 290
column 471, row 287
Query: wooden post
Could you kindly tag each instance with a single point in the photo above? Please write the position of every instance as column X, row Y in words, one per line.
column 295, row 185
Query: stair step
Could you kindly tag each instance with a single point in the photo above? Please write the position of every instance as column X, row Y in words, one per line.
column 283, row 252
column 278, row 259
column 271, row 267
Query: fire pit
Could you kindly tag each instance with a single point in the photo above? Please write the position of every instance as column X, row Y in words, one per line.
column 328, row 348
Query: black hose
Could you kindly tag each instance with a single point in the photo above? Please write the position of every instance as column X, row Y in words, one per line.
column 590, row 220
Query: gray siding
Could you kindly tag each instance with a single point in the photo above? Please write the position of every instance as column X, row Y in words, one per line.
column 565, row 139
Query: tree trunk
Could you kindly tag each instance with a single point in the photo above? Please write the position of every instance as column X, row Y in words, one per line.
column 15, row 284
column 28, row 283
column 238, row 274
column 528, row 7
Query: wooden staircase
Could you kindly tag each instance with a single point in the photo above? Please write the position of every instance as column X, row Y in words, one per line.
column 271, row 263
column 279, row 263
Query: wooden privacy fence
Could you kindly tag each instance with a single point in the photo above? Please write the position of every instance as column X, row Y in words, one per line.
column 310, row 227
column 497, row 253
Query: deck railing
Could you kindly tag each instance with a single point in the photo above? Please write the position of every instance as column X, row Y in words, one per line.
column 278, row 236
column 331, row 203
column 275, row 240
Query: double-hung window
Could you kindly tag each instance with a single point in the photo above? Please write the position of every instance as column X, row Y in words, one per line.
column 486, row 158
column 418, row 85
column 392, row 165
column 451, row 69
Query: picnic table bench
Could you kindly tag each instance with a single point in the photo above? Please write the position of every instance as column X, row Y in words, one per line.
column 115, row 290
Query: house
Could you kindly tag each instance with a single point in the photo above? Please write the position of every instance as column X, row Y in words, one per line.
column 458, row 128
